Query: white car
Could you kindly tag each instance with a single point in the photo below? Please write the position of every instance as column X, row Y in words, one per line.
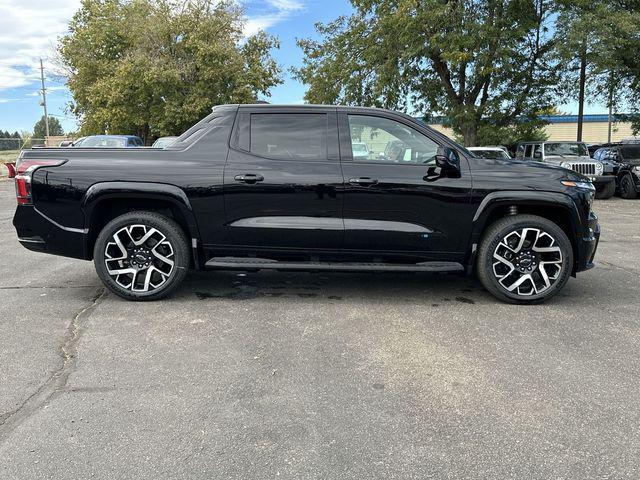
column 489, row 152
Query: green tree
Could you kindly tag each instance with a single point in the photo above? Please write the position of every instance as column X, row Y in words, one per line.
column 155, row 67
column 40, row 129
column 621, row 61
column 478, row 63
column 592, row 42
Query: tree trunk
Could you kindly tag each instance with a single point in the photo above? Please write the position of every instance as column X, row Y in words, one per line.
column 583, row 81
column 144, row 133
column 469, row 134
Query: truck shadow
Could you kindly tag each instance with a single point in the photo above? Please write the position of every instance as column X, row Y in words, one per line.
column 431, row 289
column 332, row 286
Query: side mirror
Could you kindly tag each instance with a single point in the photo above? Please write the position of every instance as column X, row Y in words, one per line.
column 448, row 160
column 447, row 165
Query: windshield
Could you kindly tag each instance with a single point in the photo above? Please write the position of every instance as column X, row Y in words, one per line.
column 566, row 149
column 104, row 142
column 491, row 154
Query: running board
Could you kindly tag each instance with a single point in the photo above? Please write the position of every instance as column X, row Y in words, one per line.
column 265, row 263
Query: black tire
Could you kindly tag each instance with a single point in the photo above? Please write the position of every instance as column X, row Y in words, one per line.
column 158, row 263
column 627, row 187
column 607, row 191
column 498, row 240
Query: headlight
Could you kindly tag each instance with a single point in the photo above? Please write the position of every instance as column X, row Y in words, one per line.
column 571, row 183
column 599, row 168
column 637, row 169
column 566, row 165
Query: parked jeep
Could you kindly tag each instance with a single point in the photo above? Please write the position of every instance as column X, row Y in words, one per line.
column 254, row 187
column 626, row 157
column 573, row 156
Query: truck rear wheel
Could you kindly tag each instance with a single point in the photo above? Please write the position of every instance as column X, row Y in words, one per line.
column 524, row 259
column 141, row 255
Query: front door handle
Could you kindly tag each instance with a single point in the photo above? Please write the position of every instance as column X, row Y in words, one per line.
column 249, row 178
column 363, row 181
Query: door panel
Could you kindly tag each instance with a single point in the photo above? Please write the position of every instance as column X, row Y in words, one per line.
column 405, row 204
column 287, row 191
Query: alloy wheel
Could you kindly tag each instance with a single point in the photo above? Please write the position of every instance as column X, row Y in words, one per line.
column 139, row 258
column 527, row 261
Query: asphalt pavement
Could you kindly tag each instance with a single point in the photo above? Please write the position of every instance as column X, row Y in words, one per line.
column 319, row 376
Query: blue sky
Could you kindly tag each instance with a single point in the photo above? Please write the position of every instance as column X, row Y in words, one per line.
column 29, row 28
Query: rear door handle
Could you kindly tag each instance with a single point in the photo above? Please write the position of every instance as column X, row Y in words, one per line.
column 248, row 178
column 362, row 181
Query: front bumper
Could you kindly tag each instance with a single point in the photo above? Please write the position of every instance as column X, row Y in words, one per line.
column 588, row 244
column 600, row 181
column 39, row 233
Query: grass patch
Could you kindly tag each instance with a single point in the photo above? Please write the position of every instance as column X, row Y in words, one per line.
column 7, row 156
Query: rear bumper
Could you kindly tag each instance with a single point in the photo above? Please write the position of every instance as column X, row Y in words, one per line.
column 39, row 233
column 588, row 244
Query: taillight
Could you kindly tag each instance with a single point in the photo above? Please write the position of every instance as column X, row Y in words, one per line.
column 25, row 169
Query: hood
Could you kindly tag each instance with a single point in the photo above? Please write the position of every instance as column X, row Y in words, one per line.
column 524, row 174
column 570, row 158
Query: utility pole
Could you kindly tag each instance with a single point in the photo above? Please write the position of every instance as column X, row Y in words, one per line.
column 610, row 119
column 583, row 80
column 44, row 99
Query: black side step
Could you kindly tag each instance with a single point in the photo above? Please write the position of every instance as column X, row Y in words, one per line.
column 243, row 263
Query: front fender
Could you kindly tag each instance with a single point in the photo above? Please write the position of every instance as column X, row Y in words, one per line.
column 518, row 198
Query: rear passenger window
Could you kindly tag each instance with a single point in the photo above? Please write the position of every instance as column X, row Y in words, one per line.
column 289, row 136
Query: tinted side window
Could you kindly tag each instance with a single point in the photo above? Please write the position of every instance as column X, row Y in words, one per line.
column 631, row 152
column 537, row 151
column 289, row 136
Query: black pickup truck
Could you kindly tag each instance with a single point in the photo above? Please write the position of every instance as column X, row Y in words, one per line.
column 264, row 186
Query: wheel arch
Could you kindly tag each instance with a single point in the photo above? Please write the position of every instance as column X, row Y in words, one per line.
column 554, row 206
column 107, row 200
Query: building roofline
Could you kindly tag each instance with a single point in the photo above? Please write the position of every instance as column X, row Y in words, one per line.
column 593, row 118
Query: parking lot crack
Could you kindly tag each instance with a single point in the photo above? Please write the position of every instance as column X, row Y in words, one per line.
column 57, row 381
column 613, row 265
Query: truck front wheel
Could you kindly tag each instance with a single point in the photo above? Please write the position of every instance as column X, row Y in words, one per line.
column 627, row 188
column 141, row 255
column 524, row 259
